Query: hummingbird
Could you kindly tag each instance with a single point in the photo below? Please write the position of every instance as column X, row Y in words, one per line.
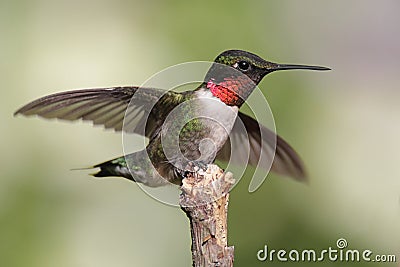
column 183, row 128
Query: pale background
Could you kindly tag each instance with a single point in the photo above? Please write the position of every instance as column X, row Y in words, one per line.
column 344, row 123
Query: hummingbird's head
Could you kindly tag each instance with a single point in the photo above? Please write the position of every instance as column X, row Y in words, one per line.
column 245, row 70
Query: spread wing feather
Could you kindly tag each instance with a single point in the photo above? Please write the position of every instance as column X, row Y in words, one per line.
column 261, row 140
column 107, row 106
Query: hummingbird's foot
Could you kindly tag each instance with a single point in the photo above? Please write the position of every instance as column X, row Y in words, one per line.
column 191, row 168
column 194, row 166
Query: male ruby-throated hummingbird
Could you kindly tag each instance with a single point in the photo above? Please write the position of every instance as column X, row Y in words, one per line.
column 187, row 127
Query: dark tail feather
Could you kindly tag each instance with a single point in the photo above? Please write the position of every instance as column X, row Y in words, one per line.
column 104, row 170
column 115, row 167
column 142, row 171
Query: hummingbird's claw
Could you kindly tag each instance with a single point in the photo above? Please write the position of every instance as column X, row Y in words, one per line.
column 194, row 166
column 191, row 168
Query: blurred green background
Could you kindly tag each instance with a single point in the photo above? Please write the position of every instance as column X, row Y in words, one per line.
column 344, row 123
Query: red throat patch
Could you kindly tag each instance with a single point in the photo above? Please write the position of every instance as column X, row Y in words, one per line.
column 231, row 91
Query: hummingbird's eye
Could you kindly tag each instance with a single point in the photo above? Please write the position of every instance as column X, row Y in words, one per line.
column 243, row 65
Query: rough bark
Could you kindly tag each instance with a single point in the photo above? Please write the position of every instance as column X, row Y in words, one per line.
column 204, row 198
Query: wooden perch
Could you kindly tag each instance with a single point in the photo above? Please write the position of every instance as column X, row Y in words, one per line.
column 204, row 198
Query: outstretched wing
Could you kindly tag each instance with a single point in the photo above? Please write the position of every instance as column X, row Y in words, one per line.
column 285, row 162
column 108, row 107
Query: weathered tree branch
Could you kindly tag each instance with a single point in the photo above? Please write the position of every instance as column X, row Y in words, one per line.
column 204, row 198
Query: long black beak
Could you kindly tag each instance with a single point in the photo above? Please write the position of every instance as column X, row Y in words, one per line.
column 276, row 67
